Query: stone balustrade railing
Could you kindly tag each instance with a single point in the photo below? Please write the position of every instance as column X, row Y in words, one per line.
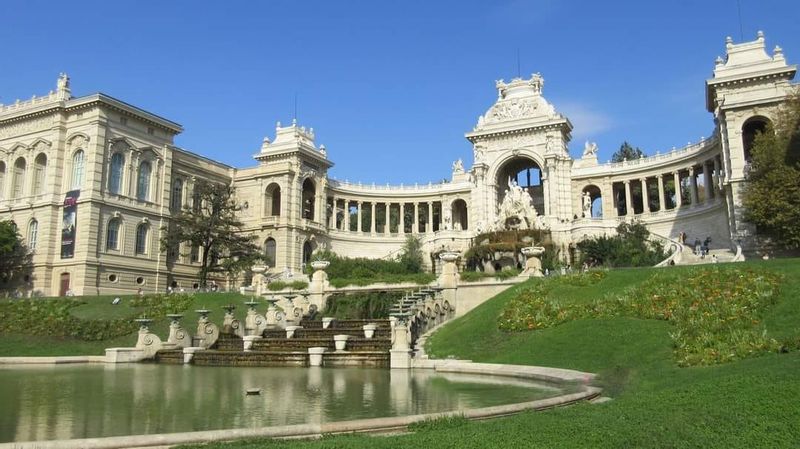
column 19, row 105
column 431, row 186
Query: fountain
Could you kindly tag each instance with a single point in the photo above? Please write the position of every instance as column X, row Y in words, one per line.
column 273, row 314
column 207, row 332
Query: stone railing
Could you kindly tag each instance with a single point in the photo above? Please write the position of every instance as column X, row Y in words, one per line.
column 416, row 187
column 674, row 248
column 19, row 105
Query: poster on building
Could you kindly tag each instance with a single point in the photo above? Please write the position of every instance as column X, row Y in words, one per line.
column 68, row 224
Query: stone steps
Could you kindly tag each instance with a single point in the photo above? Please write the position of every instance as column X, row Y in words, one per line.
column 302, row 344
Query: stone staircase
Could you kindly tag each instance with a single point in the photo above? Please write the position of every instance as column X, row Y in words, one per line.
column 688, row 256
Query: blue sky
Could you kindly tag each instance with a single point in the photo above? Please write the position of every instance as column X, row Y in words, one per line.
column 389, row 87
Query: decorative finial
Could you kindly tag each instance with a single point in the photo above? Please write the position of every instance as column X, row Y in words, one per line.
column 760, row 34
column 278, row 124
column 778, row 50
column 729, row 40
column 719, row 61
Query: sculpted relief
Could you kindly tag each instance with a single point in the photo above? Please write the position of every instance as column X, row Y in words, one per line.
column 24, row 127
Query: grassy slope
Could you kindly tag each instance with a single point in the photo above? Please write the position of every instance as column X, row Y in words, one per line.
column 100, row 307
column 750, row 403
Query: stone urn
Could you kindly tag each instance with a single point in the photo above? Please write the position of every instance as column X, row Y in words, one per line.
column 533, row 264
column 449, row 256
column 340, row 341
column 320, row 264
column 315, row 355
column 326, row 321
column 369, row 330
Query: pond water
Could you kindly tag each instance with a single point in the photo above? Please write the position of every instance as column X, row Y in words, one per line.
column 82, row 401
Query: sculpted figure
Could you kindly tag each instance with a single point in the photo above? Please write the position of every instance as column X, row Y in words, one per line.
column 589, row 149
column 587, row 205
column 458, row 166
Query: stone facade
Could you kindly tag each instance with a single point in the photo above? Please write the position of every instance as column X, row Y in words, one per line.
column 91, row 181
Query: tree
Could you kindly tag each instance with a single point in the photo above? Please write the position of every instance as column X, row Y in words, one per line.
column 210, row 224
column 15, row 259
column 772, row 194
column 411, row 255
column 626, row 153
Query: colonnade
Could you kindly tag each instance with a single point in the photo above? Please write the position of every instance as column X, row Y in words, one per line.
column 638, row 195
column 425, row 216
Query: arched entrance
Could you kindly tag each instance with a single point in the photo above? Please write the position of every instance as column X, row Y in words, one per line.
column 526, row 173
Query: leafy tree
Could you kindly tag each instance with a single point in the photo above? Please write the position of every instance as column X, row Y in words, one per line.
column 629, row 248
column 211, row 225
column 411, row 255
column 626, row 153
column 15, row 259
column 772, row 194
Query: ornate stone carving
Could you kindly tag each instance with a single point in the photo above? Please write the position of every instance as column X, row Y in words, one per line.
column 25, row 127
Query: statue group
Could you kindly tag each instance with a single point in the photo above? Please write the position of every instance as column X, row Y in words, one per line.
column 517, row 210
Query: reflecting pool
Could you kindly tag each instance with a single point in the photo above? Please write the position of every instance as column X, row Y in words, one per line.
column 82, row 401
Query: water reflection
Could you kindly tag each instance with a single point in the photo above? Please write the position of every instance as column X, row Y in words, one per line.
column 62, row 402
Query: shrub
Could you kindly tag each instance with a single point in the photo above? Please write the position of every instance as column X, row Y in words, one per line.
column 275, row 286
column 367, row 305
column 629, row 248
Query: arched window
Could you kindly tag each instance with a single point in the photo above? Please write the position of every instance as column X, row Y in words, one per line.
column 308, row 249
column 141, row 239
column 592, row 202
column 77, row 170
column 33, row 234
column 115, row 173
column 112, row 234
column 2, row 179
column 143, row 183
column 272, row 200
column 39, row 168
column 18, row 186
column 177, row 195
column 270, row 251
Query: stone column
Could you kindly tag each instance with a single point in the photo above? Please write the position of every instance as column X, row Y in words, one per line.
column 429, row 227
column 693, row 186
column 415, row 225
column 346, row 215
column 372, row 219
column 358, row 216
column 645, row 196
column 718, row 180
column 628, row 198
column 386, row 228
column 707, row 182
column 661, row 199
column 334, row 213
column 678, row 196
column 401, row 227
column 609, row 199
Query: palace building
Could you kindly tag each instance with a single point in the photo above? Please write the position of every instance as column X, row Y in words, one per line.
column 91, row 181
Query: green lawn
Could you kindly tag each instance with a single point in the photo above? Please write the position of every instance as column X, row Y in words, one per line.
column 743, row 404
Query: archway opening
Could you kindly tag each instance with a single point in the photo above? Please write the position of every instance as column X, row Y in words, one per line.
column 459, row 215
column 751, row 128
column 591, row 202
column 309, row 194
column 526, row 173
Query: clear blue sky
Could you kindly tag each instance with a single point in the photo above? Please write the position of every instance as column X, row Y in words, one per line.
column 389, row 87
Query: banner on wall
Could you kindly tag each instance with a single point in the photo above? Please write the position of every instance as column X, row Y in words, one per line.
column 68, row 224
